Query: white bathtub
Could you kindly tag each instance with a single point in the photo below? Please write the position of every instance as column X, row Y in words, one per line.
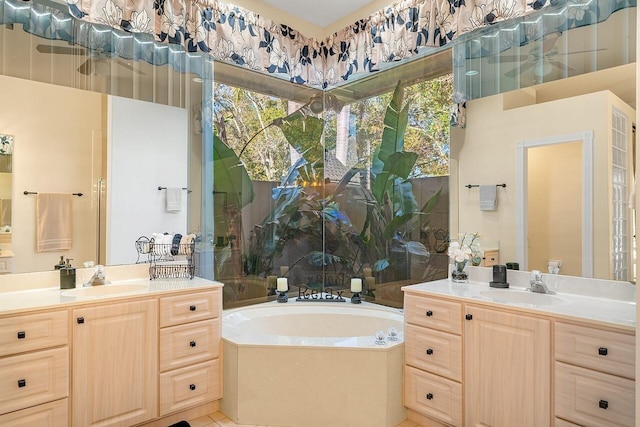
column 312, row 364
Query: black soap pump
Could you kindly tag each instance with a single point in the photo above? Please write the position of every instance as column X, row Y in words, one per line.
column 60, row 264
column 68, row 276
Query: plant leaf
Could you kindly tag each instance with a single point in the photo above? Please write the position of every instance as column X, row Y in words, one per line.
column 400, row 164
column 230, row 177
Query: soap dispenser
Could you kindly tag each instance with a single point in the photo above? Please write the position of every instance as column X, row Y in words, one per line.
column 60, row 264
column 68, row 276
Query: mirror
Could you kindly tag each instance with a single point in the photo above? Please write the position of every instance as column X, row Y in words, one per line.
column 582, row 104
column 81, row 121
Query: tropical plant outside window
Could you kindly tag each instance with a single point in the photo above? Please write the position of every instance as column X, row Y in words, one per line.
column 324, row 196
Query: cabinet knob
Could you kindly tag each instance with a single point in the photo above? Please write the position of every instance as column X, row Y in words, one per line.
column 429, row 396
column 192, row 308
column 429, row 351
column 22, row 383
column 22, row 335
column 429, row 313
column 192, row 387
column 80, row 320
column 192, row 344
column 468, row 316
column 603, row 351
column 603, row 404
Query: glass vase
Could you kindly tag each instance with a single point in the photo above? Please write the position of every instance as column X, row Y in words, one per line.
column 460, row 272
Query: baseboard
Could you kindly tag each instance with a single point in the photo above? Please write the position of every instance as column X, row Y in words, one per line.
column 186, row 415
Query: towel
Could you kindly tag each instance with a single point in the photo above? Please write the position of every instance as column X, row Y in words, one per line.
column 53, row 221
column 5, row 212
column 488, row 197
column 174, row 199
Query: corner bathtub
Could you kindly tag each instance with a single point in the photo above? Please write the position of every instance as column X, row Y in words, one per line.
column 312, row 364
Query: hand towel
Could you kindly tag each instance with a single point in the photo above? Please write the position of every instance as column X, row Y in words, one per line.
column 53, row 221
column 5, row 212
column 488, row 197
column 174, row 199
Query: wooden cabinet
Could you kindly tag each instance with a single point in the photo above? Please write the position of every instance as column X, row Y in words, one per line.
column 34, row 369
column 433, row 358
column 190, row 371
column 115, row 364
column 594, row 376
column 507, row 361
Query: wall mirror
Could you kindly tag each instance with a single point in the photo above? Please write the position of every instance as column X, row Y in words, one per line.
column 565, row 97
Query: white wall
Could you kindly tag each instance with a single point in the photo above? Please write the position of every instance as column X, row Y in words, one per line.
column 147, row 148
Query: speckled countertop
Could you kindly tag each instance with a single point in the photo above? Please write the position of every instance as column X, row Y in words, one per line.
column 13, row 302
column 594, row 309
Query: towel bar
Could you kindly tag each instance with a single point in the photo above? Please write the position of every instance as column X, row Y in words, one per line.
column 35, row 192
column 477, row 185
column 164, row 188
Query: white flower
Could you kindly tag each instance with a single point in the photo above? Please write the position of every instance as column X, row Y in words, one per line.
column 112, row 14
column 140, row 22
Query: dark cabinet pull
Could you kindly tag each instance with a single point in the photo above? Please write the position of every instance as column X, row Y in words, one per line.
column 192, row 344
column 80, row 320
column 468, row 316
column 192, row 387
column 429, row 396
column 429, row 351
column 22, row 383
column 603, row 404
column 429, row 313
column 192, row 308
column 602, row 351
column 22, row 335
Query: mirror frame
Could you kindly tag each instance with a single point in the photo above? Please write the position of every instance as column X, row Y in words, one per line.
column 586, row 137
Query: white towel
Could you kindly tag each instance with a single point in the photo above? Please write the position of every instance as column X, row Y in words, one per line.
column 174, row 199
column 53, row 221
column 488, row 197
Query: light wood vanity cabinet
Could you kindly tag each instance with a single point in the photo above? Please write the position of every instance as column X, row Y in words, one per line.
column 594, row 376
column 34, row 370
column 516, row 367
column 190, row 331
column 115, row 364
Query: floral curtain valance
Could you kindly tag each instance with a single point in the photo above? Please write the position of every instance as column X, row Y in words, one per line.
column 234, row 35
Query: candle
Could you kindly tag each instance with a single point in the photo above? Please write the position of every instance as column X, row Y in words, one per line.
column 366, row 271
column 284, row 270
column 283, row 286
column 271, row 282
column 356, row 285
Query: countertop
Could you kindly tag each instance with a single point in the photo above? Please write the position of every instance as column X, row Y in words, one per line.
column 32, row 299
column 603, row 311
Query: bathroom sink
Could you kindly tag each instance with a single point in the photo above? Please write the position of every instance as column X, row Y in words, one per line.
column 94, row 291
column 523, row 297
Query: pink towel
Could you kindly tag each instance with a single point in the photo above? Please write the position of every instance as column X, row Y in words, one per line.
column 53, row 221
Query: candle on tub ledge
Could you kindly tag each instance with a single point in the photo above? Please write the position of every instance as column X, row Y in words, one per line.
column 370, row 282
column 282, row 285
column 366, row 271
column 356, row 285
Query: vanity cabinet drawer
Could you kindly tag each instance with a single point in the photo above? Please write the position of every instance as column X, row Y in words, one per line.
column 490, row 258
column 433, row 351
column 191, row 307
column 606, row 351
column 591, row 398
column 188, row 344
column 33, row 378
column 33, row 332
column 445, row 316
column 557, row 422
column 433, row 396
column 53, row 414
column 185, row 387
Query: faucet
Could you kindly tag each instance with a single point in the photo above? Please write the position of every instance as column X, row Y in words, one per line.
column 537, row 285
column 98, row 277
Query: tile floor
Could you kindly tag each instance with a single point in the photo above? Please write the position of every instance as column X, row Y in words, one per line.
column 218, row 419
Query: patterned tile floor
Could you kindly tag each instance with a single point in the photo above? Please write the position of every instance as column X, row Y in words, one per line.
column 218, row 419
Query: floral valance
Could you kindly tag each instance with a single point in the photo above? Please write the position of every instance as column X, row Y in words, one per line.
column 231, row 34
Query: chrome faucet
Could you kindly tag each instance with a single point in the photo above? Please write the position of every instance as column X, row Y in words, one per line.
column 537, row 285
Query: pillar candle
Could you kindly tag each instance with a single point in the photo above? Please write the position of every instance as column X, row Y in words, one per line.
column 366, row 271
column 370, row 281
column 282, row 284
column 271, row 281
column 356, row 285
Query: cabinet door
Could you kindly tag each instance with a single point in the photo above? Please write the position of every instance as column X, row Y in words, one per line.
column 115, row 364
column 507, row 369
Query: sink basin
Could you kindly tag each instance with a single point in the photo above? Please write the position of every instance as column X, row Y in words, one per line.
column 523, row 297
column 94, row 291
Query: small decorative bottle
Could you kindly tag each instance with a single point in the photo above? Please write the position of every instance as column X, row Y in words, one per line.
column 67, row 276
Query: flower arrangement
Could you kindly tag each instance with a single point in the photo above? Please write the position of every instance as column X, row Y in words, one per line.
column 461, row 253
